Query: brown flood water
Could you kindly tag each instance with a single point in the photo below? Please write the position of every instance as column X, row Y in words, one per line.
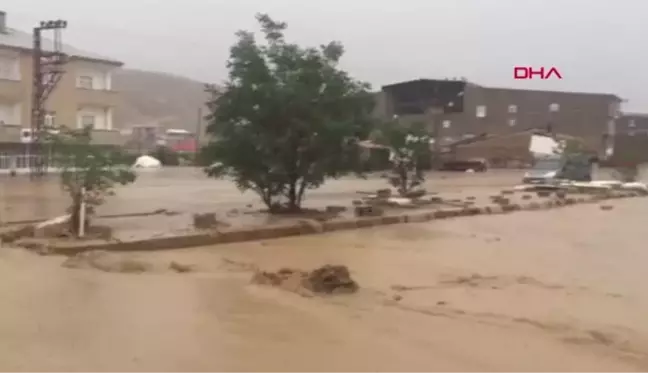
column 532, row 291
column 189, row 190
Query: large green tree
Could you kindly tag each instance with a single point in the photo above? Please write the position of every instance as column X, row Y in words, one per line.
column 88, row 172
column 287, row 119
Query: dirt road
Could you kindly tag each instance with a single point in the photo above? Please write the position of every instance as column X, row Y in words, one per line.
column 552, row 290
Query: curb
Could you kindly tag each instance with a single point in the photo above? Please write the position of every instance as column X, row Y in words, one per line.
column 306, row 227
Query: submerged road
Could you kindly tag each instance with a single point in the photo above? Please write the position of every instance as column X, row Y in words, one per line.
column 559, row 290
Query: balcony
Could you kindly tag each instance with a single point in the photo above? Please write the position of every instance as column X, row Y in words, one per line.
column 12, row 91
column 96, row 97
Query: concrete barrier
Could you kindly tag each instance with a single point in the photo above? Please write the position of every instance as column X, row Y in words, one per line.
column 305, row 227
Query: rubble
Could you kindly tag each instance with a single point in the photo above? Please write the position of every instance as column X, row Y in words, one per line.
column 207, row 221
column 180, row 268
column 326, row 280
column 383, row 193
column 335, row 209
column 369, row 210
column 415, row 193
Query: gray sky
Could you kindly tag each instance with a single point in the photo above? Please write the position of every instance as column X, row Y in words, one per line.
column 597, row 45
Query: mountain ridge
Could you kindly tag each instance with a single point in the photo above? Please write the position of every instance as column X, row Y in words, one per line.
column 158, row 98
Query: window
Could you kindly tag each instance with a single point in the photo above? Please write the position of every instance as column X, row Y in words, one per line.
column 85, row 82
column 50, row 119
column 9, row 68
column 512, row 122
column 481, row 111
column 632, row 123
column 512, row 109
column 10, row 115
column 87, row 121
column 554, row 107
column 446, row 124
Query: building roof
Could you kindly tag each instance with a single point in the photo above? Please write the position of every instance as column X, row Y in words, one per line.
column 17, row 39
column 462, row 80
column 609, row 95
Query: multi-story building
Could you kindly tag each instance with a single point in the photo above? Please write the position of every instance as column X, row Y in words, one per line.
column 458, row 109
column 84, row 97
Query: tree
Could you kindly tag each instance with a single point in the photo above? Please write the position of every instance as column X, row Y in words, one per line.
column 88, row 172
column 287, row 119
column 409, row 146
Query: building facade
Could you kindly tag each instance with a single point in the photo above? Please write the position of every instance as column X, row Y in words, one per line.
column 84, row 97
column 456, row 109
column 633, row 124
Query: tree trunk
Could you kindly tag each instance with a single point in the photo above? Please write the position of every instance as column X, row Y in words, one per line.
column 293, row 202
column 75, row 214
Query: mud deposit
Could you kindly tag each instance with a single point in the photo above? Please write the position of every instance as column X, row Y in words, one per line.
column 326, row 280
column 558, row 290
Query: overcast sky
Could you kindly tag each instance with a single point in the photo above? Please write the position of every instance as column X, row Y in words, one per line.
column 597, row 45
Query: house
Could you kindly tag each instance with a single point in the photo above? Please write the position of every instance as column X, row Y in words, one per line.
column 458, row 109
column 84, row 97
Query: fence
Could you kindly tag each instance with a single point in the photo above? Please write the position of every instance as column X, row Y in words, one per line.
column 23, row 162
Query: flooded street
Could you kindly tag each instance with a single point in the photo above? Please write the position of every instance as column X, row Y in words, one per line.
column 189, row 190
column 531, row 291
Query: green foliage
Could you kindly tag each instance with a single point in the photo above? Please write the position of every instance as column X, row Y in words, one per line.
column 89, row 168
column 287, row 118
column 410, row 147
column 166, row 156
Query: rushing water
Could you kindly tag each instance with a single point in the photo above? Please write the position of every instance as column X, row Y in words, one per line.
column 550, row 290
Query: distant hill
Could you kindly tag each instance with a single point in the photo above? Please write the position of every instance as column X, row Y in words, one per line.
column 158, row 98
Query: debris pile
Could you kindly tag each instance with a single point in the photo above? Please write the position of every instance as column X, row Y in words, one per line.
column 329, row 279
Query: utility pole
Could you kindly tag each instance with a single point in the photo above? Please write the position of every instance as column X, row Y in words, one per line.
column 47, row 72
column 433, row 114
column 198, row 133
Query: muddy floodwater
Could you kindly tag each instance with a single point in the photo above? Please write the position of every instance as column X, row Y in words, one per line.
column 189, row 190
column 532, row 291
